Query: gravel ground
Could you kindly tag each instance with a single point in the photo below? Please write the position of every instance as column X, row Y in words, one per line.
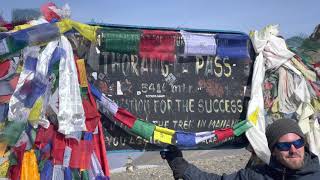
column 219, row 162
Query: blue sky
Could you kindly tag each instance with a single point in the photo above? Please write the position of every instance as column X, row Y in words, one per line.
column 294, row 16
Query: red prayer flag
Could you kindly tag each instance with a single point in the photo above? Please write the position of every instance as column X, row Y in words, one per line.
column 4, row 66
column 156, row 44
column 223, row 134
column 58, row 147
column 125, row 117
column 100, row 149
column 14, row 81
column 5, row 99
column 315, row 88
column 91, row 112
column 48, row 13
column 81, row 153
column 44, row 136
column 15, row 170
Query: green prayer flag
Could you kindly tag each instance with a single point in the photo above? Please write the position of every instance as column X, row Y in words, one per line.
column 41, row 164
column 123, row 41
column 143, row 128
column 55, row 71
column 33, row 134
column 13, row 46
column 12, row 132
column 13, row 159
column 241, row 127
column 85, row 175
column 76, row 174
column 239, row 124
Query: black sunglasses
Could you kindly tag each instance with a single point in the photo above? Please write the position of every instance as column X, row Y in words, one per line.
column 285, row 146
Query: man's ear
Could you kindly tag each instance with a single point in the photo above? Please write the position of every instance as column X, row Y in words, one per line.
column 273, row 151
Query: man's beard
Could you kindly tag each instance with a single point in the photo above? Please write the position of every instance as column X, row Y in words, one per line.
column 293, row 161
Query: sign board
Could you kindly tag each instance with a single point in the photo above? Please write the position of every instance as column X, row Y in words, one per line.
column 193, row 93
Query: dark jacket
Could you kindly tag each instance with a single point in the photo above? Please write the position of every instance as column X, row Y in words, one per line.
column 310, row 171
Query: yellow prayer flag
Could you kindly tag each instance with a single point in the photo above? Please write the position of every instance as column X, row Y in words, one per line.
column 29, row 167
column 4, row 168
column 82, row 73
column 21, row 27
column 19, row 69
column 163, row 134
column 316, row 103
column 35, row 112
column 2, row 125
column 275, row 105
column 3, row 147
column 85, row 30
column 253, row 117
column 64, row 25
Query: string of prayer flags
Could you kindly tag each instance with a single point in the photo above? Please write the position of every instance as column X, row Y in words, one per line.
column 145, row 129
column 125, row 117
column 164, row 135
column 33, row 36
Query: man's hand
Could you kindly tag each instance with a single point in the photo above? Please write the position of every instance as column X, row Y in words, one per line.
column 178, row 165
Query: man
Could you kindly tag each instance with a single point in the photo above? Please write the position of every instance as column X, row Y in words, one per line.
column 291, row 158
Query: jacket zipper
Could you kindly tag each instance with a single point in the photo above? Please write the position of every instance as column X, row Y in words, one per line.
column 284, row 174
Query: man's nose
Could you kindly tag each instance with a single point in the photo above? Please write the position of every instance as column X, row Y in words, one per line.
column 293, row 149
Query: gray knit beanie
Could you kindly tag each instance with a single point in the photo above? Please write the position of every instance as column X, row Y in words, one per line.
column 280, row 128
